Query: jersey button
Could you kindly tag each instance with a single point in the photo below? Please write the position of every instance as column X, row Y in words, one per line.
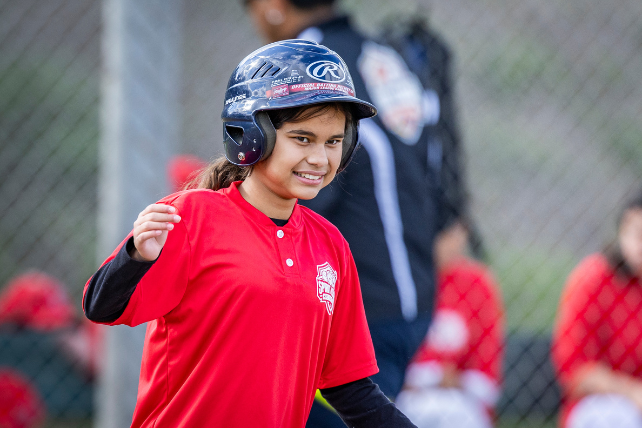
column 280, row 234
column 289, row 262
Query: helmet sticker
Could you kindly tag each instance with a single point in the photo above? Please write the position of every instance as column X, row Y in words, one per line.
column 286, row 80
column 322, row 87
column 235, row 98
column 278, row 91
column 326, row 71
column 283, row 90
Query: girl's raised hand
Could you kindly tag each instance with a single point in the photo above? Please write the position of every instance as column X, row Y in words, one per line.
column 151, row 229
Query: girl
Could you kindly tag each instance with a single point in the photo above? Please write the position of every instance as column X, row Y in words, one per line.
column 597, row 336
column 253, row 302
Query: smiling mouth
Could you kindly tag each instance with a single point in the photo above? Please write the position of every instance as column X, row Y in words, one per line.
column 309, row 176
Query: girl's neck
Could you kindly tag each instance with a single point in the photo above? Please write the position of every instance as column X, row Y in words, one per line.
column 266, row 201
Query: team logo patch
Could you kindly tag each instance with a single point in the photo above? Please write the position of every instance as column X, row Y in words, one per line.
column 326, row 71
column 326, row 279
column 395, row 90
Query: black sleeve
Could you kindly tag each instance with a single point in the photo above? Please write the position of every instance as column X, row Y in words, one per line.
column 361, row 404
column 111, row 287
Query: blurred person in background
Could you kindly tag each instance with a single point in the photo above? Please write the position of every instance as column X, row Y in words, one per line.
column 454, row 380
column 183, row 169
column 597, row 335
column 388, row 202
column 35, row 306
column 21, row 405
column 37, row 301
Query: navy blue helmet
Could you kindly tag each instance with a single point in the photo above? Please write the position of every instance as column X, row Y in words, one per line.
column 289, row 73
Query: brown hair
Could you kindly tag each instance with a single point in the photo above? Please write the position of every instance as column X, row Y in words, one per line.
column 612, row 251
column 221, row 173
column 299, row 114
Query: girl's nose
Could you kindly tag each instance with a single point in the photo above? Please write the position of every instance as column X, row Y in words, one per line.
column 318, row 155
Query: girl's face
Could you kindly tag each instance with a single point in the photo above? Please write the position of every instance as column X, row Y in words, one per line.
column 305, row 158
column 629, row 239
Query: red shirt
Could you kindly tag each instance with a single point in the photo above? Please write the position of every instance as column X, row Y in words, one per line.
column 246, row 319
column 599, row 320
column 467, row 330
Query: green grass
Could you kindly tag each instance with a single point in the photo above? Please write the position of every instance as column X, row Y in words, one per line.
column 531, row 279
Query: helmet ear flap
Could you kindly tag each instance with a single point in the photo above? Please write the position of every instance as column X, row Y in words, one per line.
column 349, row 144
column 350, row 137
column 268, row 130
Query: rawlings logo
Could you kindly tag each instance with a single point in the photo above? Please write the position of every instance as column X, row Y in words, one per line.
column 326, row 279
column 278, row 91
column 326, row 71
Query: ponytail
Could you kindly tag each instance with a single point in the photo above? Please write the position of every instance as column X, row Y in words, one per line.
column 219, row 174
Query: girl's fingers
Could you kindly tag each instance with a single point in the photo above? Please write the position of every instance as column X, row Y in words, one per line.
column 152, row 225
column 158, row 208
column 149, row 235
column 151, row 228
column 157, row 218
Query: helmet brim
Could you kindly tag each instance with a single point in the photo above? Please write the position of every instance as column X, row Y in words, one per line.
column 361, row 109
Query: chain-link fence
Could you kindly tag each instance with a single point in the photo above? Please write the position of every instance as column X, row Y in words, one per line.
column 49, row 94
column 549, row 101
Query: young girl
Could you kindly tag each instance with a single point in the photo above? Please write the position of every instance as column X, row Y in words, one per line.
column 253, row 302
column 597, row 334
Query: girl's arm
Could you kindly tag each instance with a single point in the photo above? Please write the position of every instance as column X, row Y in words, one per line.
column 109, row 291
column 361, row 404
column 597, row 378
column 111, row 287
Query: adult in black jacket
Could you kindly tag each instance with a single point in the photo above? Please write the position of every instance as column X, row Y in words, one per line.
column 388, row 203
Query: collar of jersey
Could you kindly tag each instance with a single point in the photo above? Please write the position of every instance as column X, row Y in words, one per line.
column 257, row 216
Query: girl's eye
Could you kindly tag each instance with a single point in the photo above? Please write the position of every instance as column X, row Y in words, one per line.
column 334, row 142
column 303, row 139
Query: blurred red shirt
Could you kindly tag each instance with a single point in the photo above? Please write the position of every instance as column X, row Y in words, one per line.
column 599, row 321
column 467, row 330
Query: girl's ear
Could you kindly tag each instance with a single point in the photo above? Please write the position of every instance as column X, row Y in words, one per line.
column 269, row 132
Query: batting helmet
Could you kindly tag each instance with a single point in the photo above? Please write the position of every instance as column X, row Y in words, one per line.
column 289, row 73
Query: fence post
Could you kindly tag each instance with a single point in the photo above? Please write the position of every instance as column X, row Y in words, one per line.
column 140, row 131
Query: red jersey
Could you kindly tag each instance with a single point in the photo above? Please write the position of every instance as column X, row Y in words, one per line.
column 467, row 331
column 246, row 319
column 599, row 320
